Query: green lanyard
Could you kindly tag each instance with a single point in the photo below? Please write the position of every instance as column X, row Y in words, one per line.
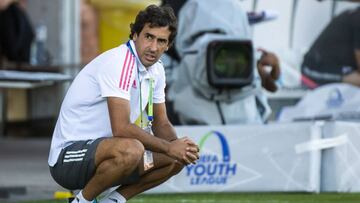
column 151, row 93
column 150, row 112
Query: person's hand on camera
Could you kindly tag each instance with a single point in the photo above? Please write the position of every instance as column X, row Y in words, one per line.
column 268, row 77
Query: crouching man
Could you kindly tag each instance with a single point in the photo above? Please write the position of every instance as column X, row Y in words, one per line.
column 96, row 145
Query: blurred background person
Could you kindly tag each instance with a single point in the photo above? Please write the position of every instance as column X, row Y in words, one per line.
column 245, row 104
column 89, row 32
column 16, row 32
column 335, row 54
column 267, row 58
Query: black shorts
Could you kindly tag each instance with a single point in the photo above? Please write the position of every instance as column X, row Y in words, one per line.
column 76, row 165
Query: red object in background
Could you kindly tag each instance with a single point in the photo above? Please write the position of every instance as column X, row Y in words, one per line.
column 308, row 82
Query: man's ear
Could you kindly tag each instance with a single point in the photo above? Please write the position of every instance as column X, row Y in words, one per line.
column 134, row 37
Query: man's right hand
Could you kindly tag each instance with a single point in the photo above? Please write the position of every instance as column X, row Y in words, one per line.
column 184, row 150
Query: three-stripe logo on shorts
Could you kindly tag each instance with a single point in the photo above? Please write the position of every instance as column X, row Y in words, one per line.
column 71, row 156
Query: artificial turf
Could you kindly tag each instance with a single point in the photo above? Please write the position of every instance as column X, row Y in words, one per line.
column 239, row 198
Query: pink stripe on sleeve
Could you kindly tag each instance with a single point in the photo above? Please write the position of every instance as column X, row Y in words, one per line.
column 123, row 68
column 127, row 73
column 131, row 70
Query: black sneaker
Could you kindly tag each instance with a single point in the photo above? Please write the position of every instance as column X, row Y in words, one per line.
column 71, row 200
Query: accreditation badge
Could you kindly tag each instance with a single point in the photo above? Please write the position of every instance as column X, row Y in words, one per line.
column 148, row 155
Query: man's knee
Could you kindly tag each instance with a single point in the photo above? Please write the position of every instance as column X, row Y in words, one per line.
column 133, row 148
column 127, row 152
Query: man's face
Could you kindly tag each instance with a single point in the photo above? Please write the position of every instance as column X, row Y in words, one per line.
column 151, row 43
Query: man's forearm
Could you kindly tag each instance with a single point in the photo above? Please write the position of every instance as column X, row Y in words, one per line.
column 164, row 131
column 357, row 57
column 150, row 142
column 352, row 78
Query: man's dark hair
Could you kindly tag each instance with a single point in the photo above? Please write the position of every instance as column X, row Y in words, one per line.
column 156, row 16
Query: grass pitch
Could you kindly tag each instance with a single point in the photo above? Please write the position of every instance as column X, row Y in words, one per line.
column 240, row 198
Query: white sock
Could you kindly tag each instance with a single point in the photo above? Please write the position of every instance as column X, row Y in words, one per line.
column 80, row 198
column 112, row 197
